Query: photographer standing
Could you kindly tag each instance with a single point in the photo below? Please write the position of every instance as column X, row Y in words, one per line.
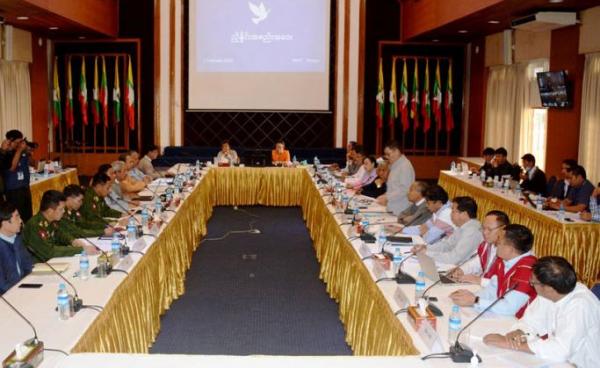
column 15, row 172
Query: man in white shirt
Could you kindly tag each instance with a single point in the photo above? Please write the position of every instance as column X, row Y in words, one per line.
column 464, row 240
column 477, row 270
column 145, row 164
column 563, row 322
column 440, row 224
column 401, row 176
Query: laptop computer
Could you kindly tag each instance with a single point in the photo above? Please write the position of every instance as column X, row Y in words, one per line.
column 430, row 270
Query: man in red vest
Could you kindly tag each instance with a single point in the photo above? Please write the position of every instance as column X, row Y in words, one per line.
column 511, row 271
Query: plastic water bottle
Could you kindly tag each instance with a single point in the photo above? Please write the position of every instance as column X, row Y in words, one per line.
column 364, row 223
column 64, row 310
column 145, row 216
column 46, row 172
column 115, row 247
column 453, row 167
column 396, row 259
column 317, row 162
column 131, row 230
column 482, row 176
column 419, row 286
column 197, row 166
column 454, row 323
column 354, row 215
column 518, row 190
column 84, row 266
column 539, row 204
column 157, row 206
column 507, row 185
column 561, row 212
column 295, row 160
column 381, row 239
column 474, row 362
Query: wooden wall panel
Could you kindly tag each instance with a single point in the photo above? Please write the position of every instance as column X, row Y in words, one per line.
column 563, row 124
column 531, row 45
column 477, row 98
column 494, row 49
column 588, row 37
column 40, row 113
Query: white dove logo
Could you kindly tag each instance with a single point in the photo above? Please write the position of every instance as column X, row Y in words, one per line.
column 259, row 11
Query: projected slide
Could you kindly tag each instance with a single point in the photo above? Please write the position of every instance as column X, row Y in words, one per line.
column 261, row 36
column 259, row 54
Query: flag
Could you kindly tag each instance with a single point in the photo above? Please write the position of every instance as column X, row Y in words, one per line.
column 404, row 98
column 448, row 102
column 414, row 101
column 437, row 97
column 104, row 93
column 130, row 98
column 425, row 103
column 56, row 109
column 69, row 106
column 96, row 100
column 379, row 107
column 116, row 95
column 83, row 93
column 393, row 94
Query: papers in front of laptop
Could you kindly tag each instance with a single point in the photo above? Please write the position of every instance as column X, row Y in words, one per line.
column 400, row 298
column 428, row 266
column 43, row 269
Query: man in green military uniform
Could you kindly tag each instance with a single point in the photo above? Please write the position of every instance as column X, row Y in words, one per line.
column 74, row 223
column 94, row 208
column 43, row 233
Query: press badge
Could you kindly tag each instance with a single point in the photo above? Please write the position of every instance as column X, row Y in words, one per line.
column 20, row 175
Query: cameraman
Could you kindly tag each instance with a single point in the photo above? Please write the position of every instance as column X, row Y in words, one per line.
column 15, row 172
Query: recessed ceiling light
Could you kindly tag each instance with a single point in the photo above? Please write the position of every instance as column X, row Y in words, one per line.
column 53, row 28
column 22, row 18
column 493, row 21
column 555, row 1
column 435, row 40
column 82, row 37
column 463, row 31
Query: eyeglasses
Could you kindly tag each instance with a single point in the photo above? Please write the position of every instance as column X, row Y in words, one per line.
column 493, row 228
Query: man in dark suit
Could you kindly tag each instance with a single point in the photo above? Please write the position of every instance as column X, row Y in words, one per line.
column 417, row 213
column 533, row 179
column 580, row 192
column 561, row 189
column 501, row 165
column 15, row 262
column 488, row 156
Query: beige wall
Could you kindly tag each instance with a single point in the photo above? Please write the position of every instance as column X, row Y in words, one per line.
column 531, row 45
column 589, row 40
column 494, row 49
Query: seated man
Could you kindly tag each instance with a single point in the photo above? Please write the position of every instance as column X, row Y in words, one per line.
column 280, row 156
column 563, row 322
column 417, row 213
column 533, row 179
column 511, row 270
column 501, row 166
column 356, row 169
column 580, row 192
column 227, row 155
column 488, row 157
column 73, row 222
column 125, row 185
column 401, row 176
column 378, row 186
column 478, row 270
column 560, row 190
column 145, row 164
column 463, row 242
column 94, row 207
column 44, row 235
column 594, row 207
column 440, row 224
column 15, row 262
column 131, row 160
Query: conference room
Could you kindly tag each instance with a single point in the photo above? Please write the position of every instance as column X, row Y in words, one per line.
column 358, row 183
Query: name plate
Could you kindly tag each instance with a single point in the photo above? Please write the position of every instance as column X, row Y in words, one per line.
column 126, row 263
column 400, row 298
column 139, row 245
column 364, row 251
column 430, row 337
column 378, row 271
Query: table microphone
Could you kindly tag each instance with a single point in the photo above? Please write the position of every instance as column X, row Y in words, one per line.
column 462, row 354
column 109, row 267
column 77, row 302
column 401, row 277
column 36, row 348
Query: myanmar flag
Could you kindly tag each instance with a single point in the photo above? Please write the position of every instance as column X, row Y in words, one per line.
column 393, row 93
column 103, row 94
column 449, row 102
column 116, row 95
column 379, row 99
column 130, row 98
column 83, row 93
column 96, row 101
column 425, row 104
column 56, row 109
column 404, row 98
column 437, row 98
column 414, row 101
column 69, row 106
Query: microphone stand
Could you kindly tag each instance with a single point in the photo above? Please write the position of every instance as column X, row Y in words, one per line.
column 403, row 278
column 109, row 267
column 35, row 354
column 77, row 302
column 35, row 336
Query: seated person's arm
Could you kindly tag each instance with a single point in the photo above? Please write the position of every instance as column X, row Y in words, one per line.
column 130, row 185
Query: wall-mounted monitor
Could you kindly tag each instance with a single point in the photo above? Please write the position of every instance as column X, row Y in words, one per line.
column 554, row 89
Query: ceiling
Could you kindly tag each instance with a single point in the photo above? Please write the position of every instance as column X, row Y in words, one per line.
column 477, row 24
column 41, row 20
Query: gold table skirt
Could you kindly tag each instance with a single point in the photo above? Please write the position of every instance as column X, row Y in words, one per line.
column 57, row 183
column 578, row 243
column 131, row 319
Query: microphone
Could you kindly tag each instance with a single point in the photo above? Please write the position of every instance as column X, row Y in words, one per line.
column 347, row 210
column 109, row 267
column 35, row 352
column 462, row 354
column 77, row 302
column 403, row 278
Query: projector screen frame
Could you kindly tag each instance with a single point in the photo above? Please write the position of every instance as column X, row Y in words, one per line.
column 330, row 69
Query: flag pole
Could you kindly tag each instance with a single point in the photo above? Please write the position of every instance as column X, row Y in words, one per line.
column 414, row 127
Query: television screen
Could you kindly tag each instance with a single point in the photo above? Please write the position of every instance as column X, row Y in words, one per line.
column 554, row 89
